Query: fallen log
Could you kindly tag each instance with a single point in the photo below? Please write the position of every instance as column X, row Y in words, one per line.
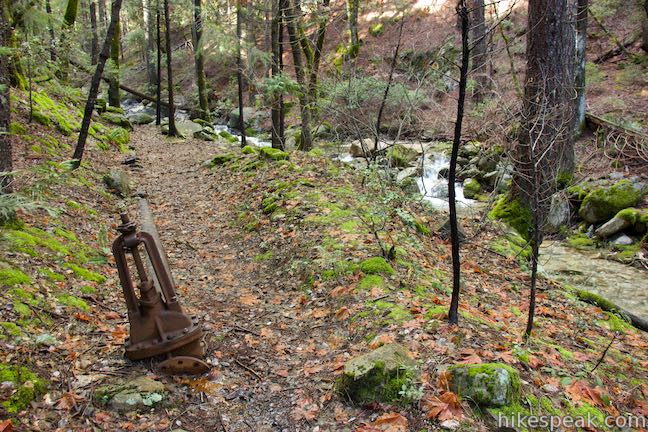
column 608, row 306
column 617, row 50
column 594, row 122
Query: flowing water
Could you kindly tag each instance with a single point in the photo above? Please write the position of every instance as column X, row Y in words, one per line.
column 434, row 187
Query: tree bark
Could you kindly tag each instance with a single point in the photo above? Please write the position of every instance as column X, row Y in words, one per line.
column 275, row 29
column 167, row 33
column 71, row 11
column 453, row 313
column 239, row 73
column 95, row 38
column 644, row 41
column 352, row 19
column 479, row 50
column 101, row 6
column 48, row 10
column 547, row 113
column 158, row 105
column 6, row 158
column 113, row 85
column 149, row 36
column 200, row 61
column 94, row 84
column 581, row 39
column 290, row 16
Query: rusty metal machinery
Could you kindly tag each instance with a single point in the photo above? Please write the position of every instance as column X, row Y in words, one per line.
column 157, row 324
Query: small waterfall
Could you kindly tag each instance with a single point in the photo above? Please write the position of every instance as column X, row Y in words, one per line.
column 435, row 187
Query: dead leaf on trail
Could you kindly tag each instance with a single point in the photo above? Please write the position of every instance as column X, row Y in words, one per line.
column 340, row 290
column 343, row 313
column 249, row 300
column 312, row 369
column 6, row 426
column 389, row 422
column 82, row 317
column 380, row 340
column 319, row 313
column 442, row 408
column 306, row 410
column 579, row 391
column 471, row 359
column 68, row 401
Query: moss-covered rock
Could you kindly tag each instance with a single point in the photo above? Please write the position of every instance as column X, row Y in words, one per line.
column 117, row 119
column 249, row 150
column 221, row 159
column 27, row 386
column 273, row 153
column 513, row 213
column 139, row 394
column 471, row 188
column 117, row 181
column 376, row 265
column 228, row 136
column 488, row 384
column 118, row 137
column 369, row 282
column 400, row 156
column 383, row 375
column 206, row 134
column 141, row 118
column 602, row 203
column 115, row 109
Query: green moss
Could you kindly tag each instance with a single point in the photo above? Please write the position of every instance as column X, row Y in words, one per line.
column 222, row 159
column 273, row 153
column 28, row 386
column 263, row 257
column 10, row 328
column 401, row 156
column 11, row 277
column 86, row 289
column 22, row 309
column 581, row 241
column 377, row 29
column 513, row 245
column 248, row 150
column 603, row 203
column 72, row 301
column 421, row 227
column 376, row 265
column 634, row 215
column 435, row 312
column 349, row 226
column 395, row 313
column 228, row 136
column 514, row 213
column 86, row 274
column 316, row 152
column 587, row 411
column 119, row 137
column 16, row 128
column 340, row 268
column 510, row 415
column 595, row 299
column 478, row 382
column 371, row 281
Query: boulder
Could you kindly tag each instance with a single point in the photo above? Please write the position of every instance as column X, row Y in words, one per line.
column 117, row 181
column 138, row 394
column 469, row 171
column 487, row 163
column 378, row 376
column 444, row 231
column 141, row 118
column 407, row 173
column 622, row 240
column 206, row 134
column 471, row 188
column 115, row 109
column 487, row 385
column 444, row 173
column 490, row 179
column 249, row 117
column 559, row 213
column 356, row 147
column 400, row 156
column 273, row 153
column 187, row 128
column 602, row 203
column 611, row 227
column 469, row 150
column 117, row 119
column 638, row 219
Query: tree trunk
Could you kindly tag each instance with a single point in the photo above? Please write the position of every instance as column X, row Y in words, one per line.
column 277, row 138
column 290, row 16
column 48, row 10
column 200, row 61
column 71, row 13
column 65, row 46
column 95, row 38
column 320, row 35
column 5, row 101
column 581, row 38
column 352, row 19
column 113, row 86
column 167, row 33
column 148, row 38
column 96, row 80
column 158, row 105
column 479, row 50
column 644, row 41
column 239, row 73
column 101, row 6
column 547, row 112
column 453, row 313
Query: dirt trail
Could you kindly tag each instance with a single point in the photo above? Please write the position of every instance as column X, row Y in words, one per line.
column 265, row 356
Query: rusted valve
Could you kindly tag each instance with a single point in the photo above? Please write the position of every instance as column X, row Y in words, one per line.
column 157, row 324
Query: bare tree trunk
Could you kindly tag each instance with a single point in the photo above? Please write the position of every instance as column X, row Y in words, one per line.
column 167, row 33
column 290, row 15
column 277, row 138
column 547, row 113
column 239, row 74
column 48, row 10
column 453, row 313
column 95, row 38
column 158, row 105
column 479, row 50
column 644, row 40
column 389, row 83
column 352, row 19
column 101, row 6
column 581, row 38
column 6, row 158
column 113, row 86
column 148, row 38
column 94, row 84
column 200, row 61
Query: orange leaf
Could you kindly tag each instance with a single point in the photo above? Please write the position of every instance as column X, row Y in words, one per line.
column 391, row 422
column 343, row 313
column 6, row 426
column 82, row 317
